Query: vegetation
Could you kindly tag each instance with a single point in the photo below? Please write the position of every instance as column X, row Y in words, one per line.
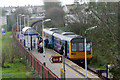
column 55, row 12
column 21, row 10
column 105, row 37
column 13, row 18
column 2, row 13
column 12, row 60
column 11, row 21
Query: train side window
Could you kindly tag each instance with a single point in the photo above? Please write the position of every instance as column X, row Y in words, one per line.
column 55, row 40
column 44, row 34
column 62, row 42
column 58, row 41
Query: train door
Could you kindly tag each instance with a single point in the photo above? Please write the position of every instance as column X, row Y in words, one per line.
column 65, row 48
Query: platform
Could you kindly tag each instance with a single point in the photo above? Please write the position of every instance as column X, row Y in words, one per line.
column 72, row 69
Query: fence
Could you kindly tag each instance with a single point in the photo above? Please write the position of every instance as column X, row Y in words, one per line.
column 46, row 73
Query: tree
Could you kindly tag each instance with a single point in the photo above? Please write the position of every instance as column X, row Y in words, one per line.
column 21, row 10
column 54, row 11
column 106, row 40
column 10, row 21
column 105, row 37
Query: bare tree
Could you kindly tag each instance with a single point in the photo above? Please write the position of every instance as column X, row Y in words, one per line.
column 55, row 12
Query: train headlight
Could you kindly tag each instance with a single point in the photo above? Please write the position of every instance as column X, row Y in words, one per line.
column 88, row 53
column 73, row 53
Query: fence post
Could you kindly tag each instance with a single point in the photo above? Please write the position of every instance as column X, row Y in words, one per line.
column 17, row 35
column 48, row 75
column 20, row 40
column 31, row 42
column 31, row 60
column 106, row 72
column 24, row 43
column 34, row 43
column 42, row 73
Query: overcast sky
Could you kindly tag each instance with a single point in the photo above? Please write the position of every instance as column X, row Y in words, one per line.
column 27, row 2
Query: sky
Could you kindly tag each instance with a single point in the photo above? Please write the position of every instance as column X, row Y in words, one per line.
column 8, row 3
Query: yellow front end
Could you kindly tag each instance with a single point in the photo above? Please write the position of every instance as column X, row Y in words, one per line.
column 79, row 55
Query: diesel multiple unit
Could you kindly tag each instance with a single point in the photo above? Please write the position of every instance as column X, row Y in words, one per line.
column 73, row 44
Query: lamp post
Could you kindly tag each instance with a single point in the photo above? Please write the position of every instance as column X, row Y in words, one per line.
column 20, row 23
column 28, row 20
column 24, row 26
column 86, row 50
column 43, row 37
column 17, row 23
column 24, row 19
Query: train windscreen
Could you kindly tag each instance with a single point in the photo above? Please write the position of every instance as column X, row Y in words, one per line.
column 78, row 45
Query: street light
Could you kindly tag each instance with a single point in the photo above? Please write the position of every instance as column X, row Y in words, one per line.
column 28, row 20
column 24, row 19
column 18, row 20
column 17, row 23
column 85, row 49
column 43, row 37
column 20, row 23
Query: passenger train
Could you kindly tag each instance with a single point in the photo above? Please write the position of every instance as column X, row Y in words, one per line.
column 73, row 44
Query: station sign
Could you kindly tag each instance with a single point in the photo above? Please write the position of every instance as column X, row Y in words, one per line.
column 3, row 31
column 56, row 59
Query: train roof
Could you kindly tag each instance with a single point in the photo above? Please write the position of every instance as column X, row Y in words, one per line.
column 29, row 30
column 52, row 30
column 60, row 34
column 66, row 37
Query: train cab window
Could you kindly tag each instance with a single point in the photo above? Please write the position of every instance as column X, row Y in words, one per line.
column 74, row 46
column 81, row 46
column 88, row 46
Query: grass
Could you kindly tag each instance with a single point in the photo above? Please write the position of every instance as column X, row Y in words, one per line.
column 19, row 66
column 16, row 67
column 5, row 39
column 95, row 65
column 0, row 40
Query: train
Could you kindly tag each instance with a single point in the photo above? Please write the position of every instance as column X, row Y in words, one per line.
column 73, row 44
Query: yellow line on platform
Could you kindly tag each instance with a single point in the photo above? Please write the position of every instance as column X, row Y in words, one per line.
column 68, row 68
column 73, row 72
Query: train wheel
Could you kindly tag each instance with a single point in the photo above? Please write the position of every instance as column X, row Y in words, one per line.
column 88, row 61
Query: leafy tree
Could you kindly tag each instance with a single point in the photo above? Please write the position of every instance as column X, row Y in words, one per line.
column 105, row 37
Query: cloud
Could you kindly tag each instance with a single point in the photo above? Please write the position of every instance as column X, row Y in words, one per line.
column 20, row 2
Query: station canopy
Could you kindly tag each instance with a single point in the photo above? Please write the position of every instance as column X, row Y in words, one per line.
column 29, row 30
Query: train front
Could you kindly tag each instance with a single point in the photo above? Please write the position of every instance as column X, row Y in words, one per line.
column 77, row 49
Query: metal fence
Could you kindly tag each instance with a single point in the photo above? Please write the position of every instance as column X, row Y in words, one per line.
column 47, row 74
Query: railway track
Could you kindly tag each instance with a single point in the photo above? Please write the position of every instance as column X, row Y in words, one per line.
column 93, row 71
